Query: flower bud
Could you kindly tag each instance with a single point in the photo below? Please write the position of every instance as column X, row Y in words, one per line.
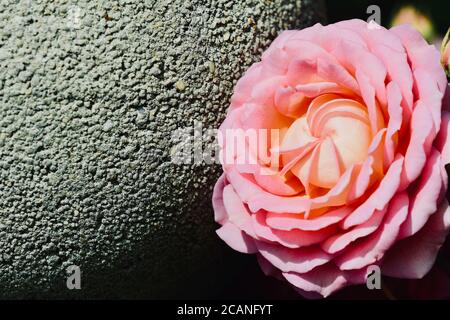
column 411, row 15
column 445, row 53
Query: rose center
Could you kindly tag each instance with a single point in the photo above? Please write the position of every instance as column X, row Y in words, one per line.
column 333, row 135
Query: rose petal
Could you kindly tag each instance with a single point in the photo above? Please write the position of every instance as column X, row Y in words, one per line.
column 373, row 37
column 341, row 241
column 237, row 213
column 399, row 72
column 371, row 249
column 267, row 268
column 236, row 238
column 324, row 280
column 423, row 133
column 416, row 254
column 360, row 60
column 368, row 94
column 220, row 213
column 425, row 197
column 421, row 54
column 298, row 260
column 278, row 184
column 290, row 103
column 380, row 198
column 243, row 88
column 395, row 122
column 290, row 239
column 315, row 89
column 257, row 199
column 287, row 221
column 428, row 92
column 370, row 170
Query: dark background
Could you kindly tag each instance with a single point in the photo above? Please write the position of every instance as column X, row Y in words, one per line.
column 437, row 10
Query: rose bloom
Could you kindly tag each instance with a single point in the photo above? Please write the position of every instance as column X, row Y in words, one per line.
column 357, row 175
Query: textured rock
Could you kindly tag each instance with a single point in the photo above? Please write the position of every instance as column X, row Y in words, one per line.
column 89, row 96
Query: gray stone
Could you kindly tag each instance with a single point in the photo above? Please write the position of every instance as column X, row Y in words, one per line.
column 90, row 93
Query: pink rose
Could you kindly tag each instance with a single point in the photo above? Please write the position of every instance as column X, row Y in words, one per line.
column 355, row 174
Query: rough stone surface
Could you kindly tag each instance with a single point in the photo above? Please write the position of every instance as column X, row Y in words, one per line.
column 90, row 92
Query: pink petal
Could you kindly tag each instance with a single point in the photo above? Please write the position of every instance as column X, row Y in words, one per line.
column 263, row 91
column 260, row 116
column 368, row 94
column 338, row 194
column 371, row 168
column 258, row 199
column 236, row 238
column 421, row 54
column 290, row 239
column 243, row 88
column 275, row 60
column 395, row 121
column 236, row 211
column 302, row 71
column 311, row 34
column 243, row 184
column 333, row 35
column 298, row 260
column 341, row 241
column 413, row 257
column 400, row 73
column 362, row 182
column 287, row 221
column 280, row 41
column 334, row 72
column 379, row 198
column 290, row 103
column 423, row 134
column 324, row 279
column 278, row 184
column 359, row 59
column 371, row 249
column 373, row 37
column 426, row 196
column 317, row 88
column 267, row 268
column 428, row 92
column 220, row 213
column 311, row 63
column 296, row 204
